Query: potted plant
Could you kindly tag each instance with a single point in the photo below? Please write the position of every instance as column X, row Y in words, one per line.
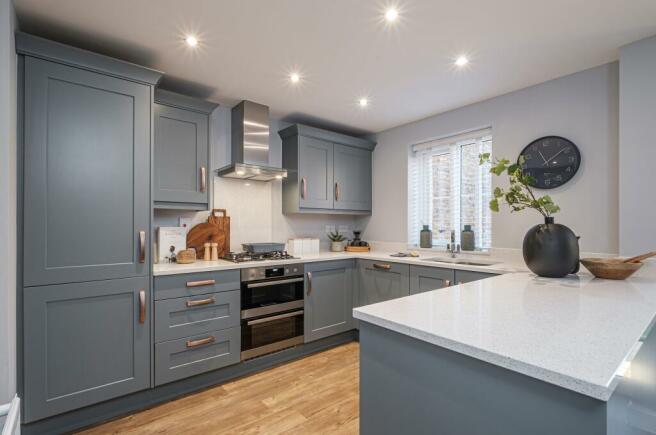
column 336, row 241
column 549, row 249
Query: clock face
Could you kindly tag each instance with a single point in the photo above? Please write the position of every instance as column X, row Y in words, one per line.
column 552, row 161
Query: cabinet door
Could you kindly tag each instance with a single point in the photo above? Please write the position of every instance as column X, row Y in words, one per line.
column 84, row 343
column 423, row 279
column 463, row 276
column 352, row 170
column 181, row 153
column 315, row 175
column 86, row 177
column 381, row 281
column 328, row 299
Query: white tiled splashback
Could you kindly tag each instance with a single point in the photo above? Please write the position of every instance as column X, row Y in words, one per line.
column 255, row 210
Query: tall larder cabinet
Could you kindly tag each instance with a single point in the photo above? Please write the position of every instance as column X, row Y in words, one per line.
column 85, row 129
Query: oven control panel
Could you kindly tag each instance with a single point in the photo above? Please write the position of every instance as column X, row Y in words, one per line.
column 271, row 272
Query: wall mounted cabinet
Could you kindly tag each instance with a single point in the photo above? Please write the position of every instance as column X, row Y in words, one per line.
column 181, row 176
column 329, row 172
column 328, row 298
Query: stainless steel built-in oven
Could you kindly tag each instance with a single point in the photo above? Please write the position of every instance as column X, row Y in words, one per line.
column 271, row 309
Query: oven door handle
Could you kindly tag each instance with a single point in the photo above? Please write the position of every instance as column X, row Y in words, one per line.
column 272, row 318
column 270, row 283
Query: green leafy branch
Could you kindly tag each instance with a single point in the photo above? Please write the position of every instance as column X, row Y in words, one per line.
column 519, row 195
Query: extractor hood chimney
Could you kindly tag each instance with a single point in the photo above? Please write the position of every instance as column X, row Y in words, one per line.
column 250, row 145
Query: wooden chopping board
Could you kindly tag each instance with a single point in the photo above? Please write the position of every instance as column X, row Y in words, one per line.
column 215, row 230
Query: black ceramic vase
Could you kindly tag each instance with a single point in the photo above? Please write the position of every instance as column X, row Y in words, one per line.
column 551, row 249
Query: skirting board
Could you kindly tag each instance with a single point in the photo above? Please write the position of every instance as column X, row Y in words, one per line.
column 11, row 414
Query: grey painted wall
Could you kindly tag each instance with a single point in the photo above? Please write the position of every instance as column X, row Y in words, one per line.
column 261, row 216
column 582, row 107
column 7, row 202
column 637, row 147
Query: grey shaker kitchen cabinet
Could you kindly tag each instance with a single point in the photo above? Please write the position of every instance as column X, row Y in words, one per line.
column 352, row 175
column 86, row 209
column 85, row 343
column 329, row 172
column 463, row 276
column 328, row 298
column 315, row 172
column 382, row 281
column 424, row 278
column 181, row 151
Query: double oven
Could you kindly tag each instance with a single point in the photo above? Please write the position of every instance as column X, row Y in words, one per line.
column 271, row 309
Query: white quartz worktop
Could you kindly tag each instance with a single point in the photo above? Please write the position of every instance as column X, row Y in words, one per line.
column 578, row 333
column 501, row 265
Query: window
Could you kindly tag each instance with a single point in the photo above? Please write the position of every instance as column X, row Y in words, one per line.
column 448, row 189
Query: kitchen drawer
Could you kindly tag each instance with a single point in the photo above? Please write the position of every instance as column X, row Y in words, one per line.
column 179, row 359
column 463, row 276
column 192, row 284
column 385, row 266
column 183, row 317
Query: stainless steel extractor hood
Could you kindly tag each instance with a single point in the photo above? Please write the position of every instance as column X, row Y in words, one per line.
column 250, row 145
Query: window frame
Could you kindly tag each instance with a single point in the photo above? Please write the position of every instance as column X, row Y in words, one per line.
column 419, row 199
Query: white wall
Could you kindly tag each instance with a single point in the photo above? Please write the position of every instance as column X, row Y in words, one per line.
column 582, row 107
column 255, row 207
column 637, row 147
column 7, row 203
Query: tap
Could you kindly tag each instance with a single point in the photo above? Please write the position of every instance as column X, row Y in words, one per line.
column 452, row 247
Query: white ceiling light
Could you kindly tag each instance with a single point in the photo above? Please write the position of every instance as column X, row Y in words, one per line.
column 391, row 14
column 191, row 40
column 294, row 77
column 363, row 102
column 461, row 61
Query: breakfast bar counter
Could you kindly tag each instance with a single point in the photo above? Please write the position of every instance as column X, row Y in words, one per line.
column 512, row 354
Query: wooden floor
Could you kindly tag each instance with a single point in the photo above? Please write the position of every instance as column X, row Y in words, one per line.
column 315, row 395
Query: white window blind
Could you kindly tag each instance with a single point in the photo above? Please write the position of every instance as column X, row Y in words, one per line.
column 448, row 189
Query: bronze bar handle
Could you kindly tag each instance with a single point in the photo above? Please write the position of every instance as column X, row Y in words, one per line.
column 142, row 246
column 303, row 188
column 337, row 191
column 142, row 306
column 202, row 341
column 199, row 302
column 201, row 283
column 309, row 290
column 203, row 179
column 447, row 283
column 382, row 266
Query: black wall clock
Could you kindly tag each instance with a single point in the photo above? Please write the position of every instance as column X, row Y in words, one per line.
column 551, row 160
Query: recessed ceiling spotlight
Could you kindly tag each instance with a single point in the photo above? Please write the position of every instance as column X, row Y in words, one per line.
column 363, row 102
column 391, row 14
column 294, row 77
column 461, row 61
column 191, row 40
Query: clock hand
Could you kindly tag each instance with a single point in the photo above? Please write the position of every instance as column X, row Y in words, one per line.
column 545, row 160
column 556, row 155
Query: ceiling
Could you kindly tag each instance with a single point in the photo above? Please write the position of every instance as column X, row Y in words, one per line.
column 344, row 49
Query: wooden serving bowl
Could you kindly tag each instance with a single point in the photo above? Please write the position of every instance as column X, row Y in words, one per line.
column 610, row 268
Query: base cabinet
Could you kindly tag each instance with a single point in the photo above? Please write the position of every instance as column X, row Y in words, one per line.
column 87, row 342
column 381, row 281
column 463, row 276
column 424, row 278
column 328, row 298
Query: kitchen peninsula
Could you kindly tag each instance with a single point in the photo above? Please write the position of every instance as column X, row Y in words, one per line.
column 512, row 354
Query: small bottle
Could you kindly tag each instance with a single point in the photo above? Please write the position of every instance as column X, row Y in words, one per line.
column 206, row 251
column 467, row 239
column 425, row 238
column 215, row 251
